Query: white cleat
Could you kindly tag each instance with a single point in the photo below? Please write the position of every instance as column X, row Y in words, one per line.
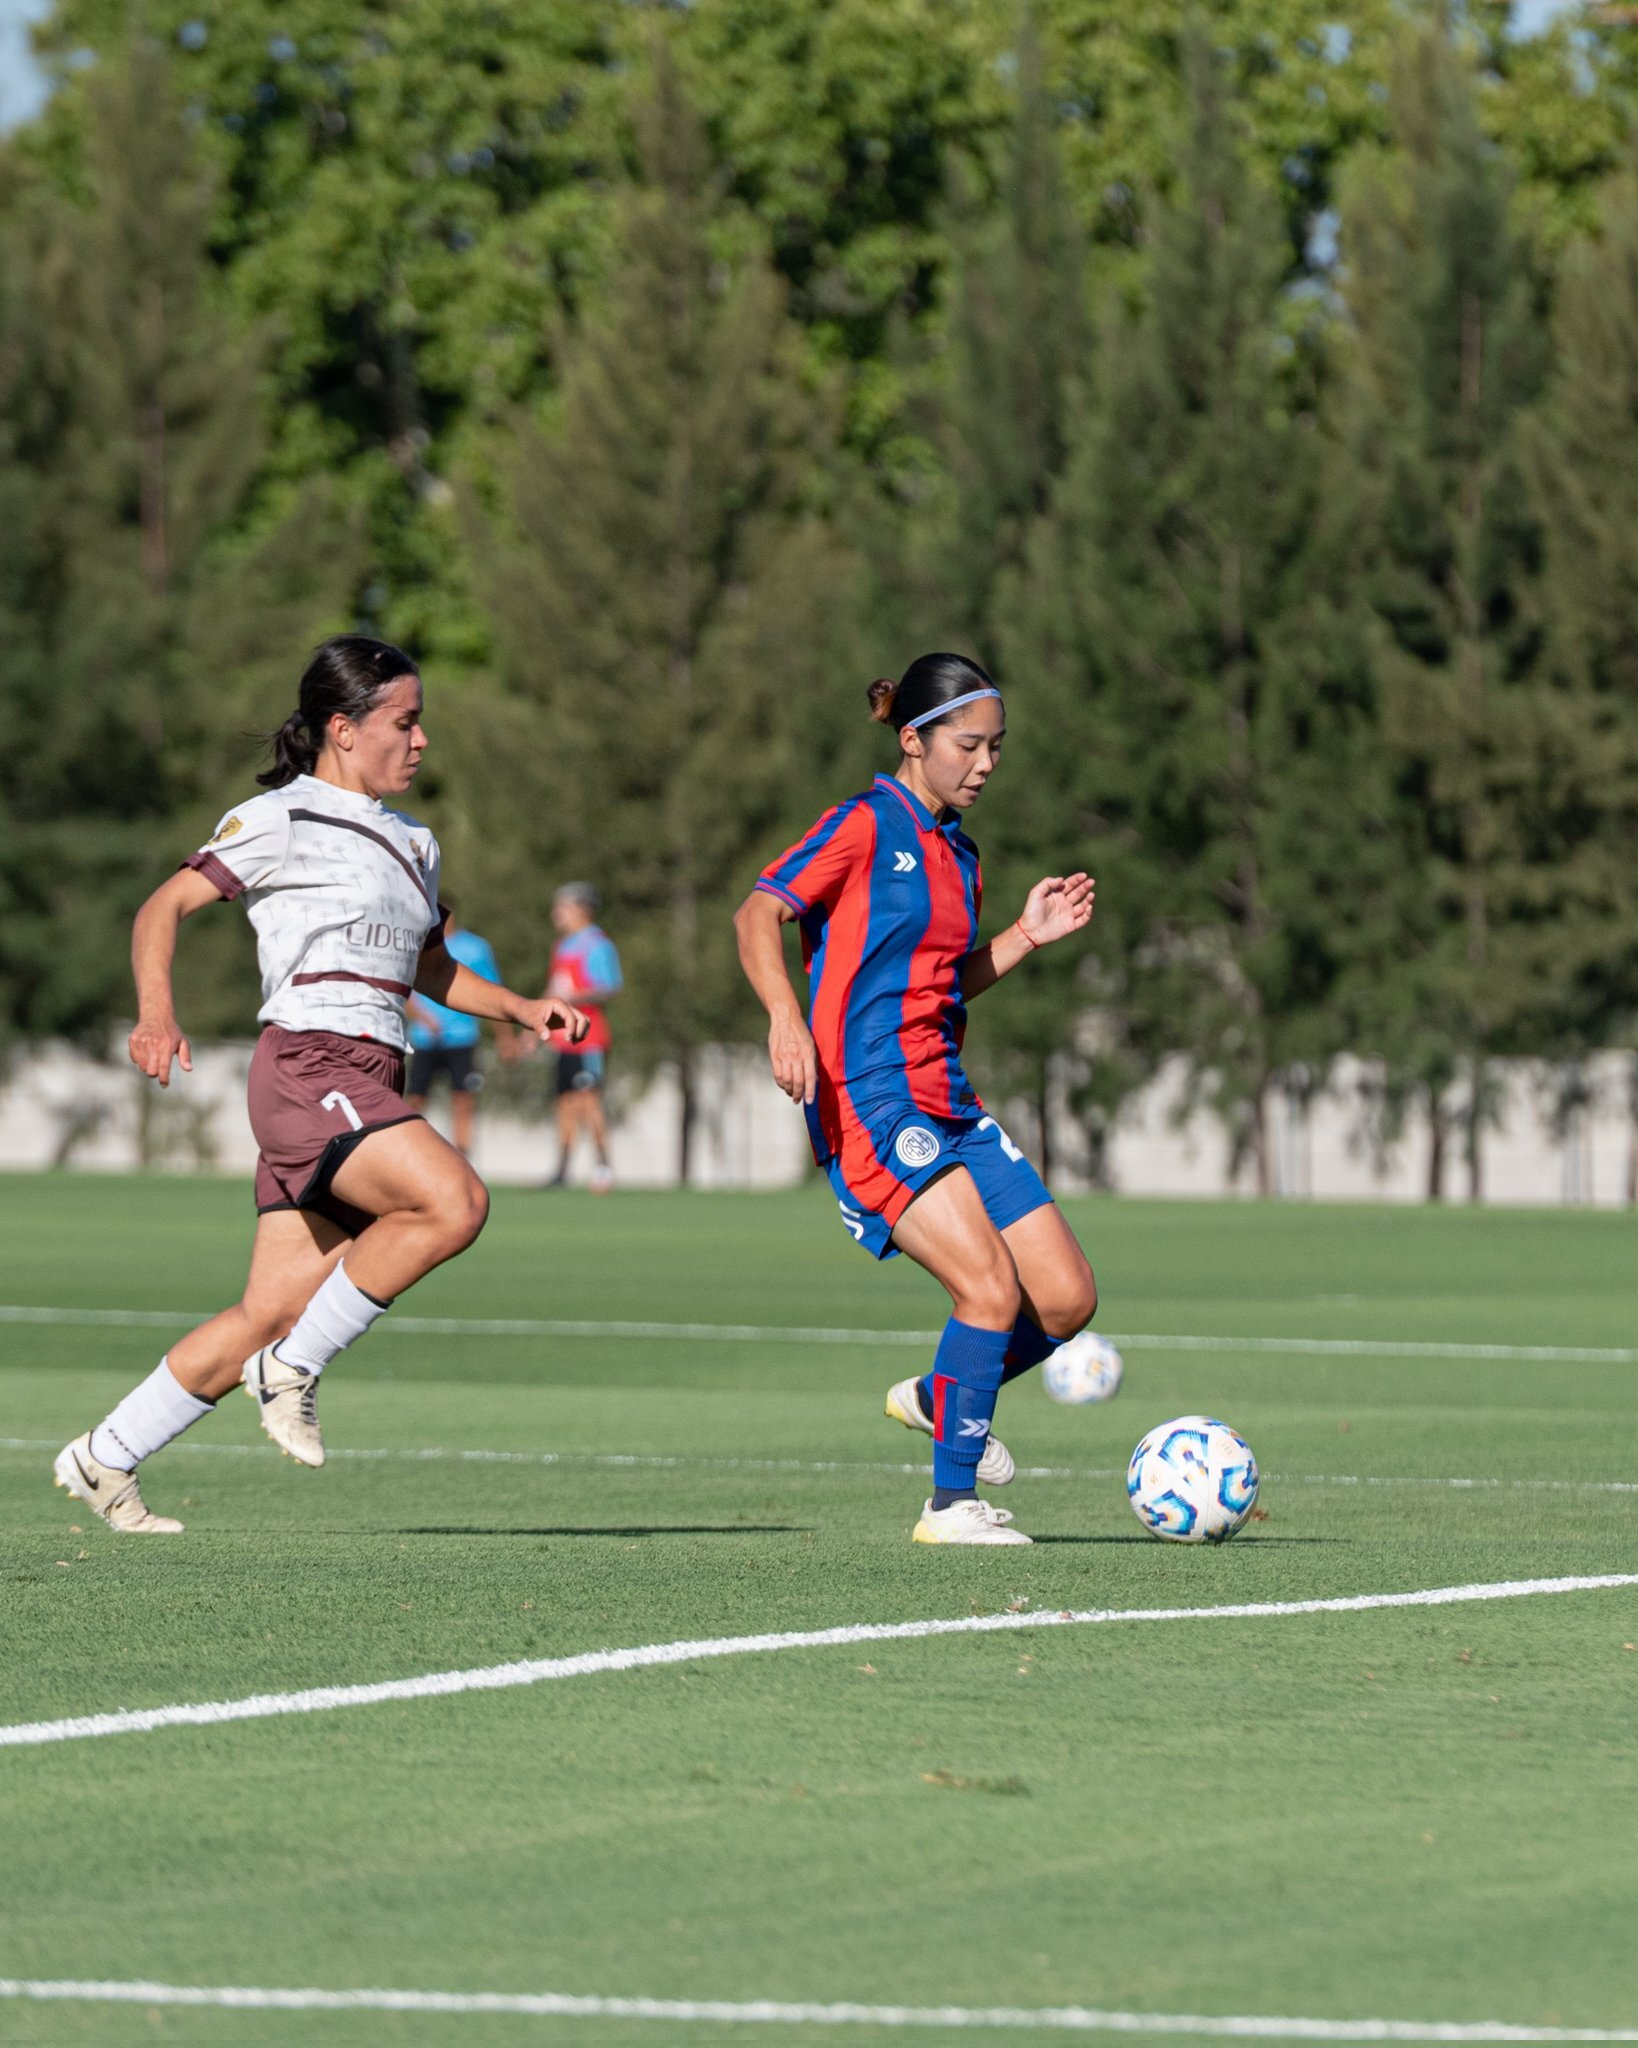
column 108, row 1492
column 966, row 1521
column 995, row 1468
column 287, row 1400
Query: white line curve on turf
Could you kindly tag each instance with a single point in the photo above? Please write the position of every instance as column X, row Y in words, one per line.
column 643, row 1656
column 1062, row 2019
column 772, row 1333
column 433, row 1453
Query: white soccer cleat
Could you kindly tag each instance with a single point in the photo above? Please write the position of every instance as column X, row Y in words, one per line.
column 966, row 1521
column 287, row 1400
column 108, row 1492
column 995, row 1468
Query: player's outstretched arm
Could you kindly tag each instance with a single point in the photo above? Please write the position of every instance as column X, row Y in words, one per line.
column 158, row 1039
column 1057, row 908
column 446, row 981
column 791, row 1050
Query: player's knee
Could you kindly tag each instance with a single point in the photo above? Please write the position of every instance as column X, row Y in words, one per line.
column 468, row 1211
column 455, row 1211
column 990, row 1298
column 1070, row 1303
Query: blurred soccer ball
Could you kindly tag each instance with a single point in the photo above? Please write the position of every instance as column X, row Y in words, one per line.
column 1087, row 1368
column 1193, row 1480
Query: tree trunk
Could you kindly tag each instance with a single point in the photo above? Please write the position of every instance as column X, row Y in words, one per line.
column 1043, row 1116
column 1475, row 1135
column 1632, row 1134
column 1436, row 1147
column 1259, row 1140
column 685, row 1115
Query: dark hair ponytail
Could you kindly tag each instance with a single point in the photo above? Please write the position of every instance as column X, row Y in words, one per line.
column 345, row 675
column 929, row 681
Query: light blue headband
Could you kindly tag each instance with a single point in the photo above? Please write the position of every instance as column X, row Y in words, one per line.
column 954, row 704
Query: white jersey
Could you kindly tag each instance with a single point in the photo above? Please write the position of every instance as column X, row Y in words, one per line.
column 343, row 895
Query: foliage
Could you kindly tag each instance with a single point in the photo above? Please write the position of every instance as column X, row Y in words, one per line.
column 1250, row 383
column 1161, row 597
column 649, row 637
column 1445, row 357
column 151, row 584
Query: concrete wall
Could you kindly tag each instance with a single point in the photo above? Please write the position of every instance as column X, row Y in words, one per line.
column 57, row 1106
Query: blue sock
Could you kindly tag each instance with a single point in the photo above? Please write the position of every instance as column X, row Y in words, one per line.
column 1027, row 1347
column 966, row 1378
column 1030, row 1346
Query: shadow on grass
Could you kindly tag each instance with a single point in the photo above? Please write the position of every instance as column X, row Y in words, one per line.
column 1243, row 1543
column 644, row 1529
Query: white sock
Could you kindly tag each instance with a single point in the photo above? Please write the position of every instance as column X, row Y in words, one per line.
column 147, row 1419
column 338, row 1315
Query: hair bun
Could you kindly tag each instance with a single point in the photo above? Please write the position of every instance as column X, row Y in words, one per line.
column 881, row 694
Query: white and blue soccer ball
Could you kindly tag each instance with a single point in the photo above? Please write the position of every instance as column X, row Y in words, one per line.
column 1193, row 1480
column 1086, row 1368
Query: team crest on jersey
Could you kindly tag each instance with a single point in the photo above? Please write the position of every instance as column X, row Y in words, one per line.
column 420, row 855
column 917, row 1146
column 227, row 828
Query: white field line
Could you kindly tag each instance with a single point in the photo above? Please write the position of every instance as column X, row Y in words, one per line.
column 536, row 1670
column 434, row 1453
column 769, row 1333
column 1061, row 2019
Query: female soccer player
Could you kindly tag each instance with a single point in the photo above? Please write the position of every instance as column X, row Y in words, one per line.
column 357, row 1195
column 886, row 888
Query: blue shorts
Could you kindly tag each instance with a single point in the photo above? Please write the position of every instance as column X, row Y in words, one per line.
column 908, row 1150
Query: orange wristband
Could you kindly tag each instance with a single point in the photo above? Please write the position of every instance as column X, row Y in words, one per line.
column 1018, row 925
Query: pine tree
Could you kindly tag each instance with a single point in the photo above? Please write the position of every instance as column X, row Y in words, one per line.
column 1156, row 622
column 667, row 604
column 163, row 603
column 1017, row 345
column 1445, row 359
column 1585, row 471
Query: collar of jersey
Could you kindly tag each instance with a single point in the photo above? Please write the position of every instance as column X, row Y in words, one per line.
column 913, row 804
column 334, row 793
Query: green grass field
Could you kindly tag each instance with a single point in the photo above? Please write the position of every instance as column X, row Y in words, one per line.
column 1418, row 1814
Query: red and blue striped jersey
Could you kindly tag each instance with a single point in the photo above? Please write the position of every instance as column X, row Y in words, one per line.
column 888, row 901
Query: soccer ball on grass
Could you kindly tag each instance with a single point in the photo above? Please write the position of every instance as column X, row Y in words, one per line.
column 1193, row 1480
column 1086, row 1368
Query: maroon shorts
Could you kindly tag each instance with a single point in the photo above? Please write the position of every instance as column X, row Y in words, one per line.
column 313, row 1096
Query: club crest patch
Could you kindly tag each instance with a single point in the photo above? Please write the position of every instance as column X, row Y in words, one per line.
column 917, row 1146
column 227, row 828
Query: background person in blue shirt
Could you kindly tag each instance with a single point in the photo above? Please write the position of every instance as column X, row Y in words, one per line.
column 446, row 1042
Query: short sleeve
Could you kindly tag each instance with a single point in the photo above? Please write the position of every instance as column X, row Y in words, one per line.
column 247, row 849
column 813, row 873
column 602, row 965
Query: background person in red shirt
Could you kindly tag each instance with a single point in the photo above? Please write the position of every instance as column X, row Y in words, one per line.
column 584, row 959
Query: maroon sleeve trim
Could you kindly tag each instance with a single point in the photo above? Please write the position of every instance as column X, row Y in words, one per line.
column 217, row 873
column 435, row 936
